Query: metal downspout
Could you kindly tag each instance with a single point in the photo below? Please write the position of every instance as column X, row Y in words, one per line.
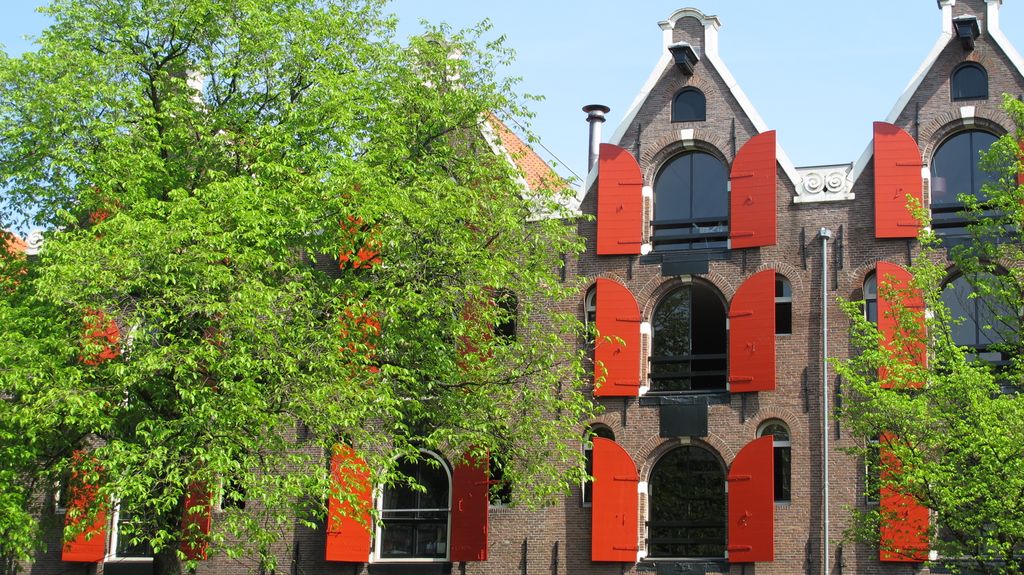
column 824, row 234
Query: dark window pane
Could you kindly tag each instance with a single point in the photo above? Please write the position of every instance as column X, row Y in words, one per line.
column 783, row 465
column 672, row 324
column 673, row 189
column 710, row 187
column 951, row 168
column 415, row 523
column 687, row 505
column 871, row 298
column 689, row 341
column 969, row 82
column 691, row 203
column 689, row 105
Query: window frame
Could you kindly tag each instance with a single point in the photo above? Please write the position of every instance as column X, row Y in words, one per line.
column 953, row 82
column 587, row 486
column 981, row 351
column 783, row 303
column 871, row 297
column 948, row 220
column 656, row 357
column 701, row 117
column 707, row 232
column 724, row 493
column 378, row 528
column 779, row 444
column 112, row 541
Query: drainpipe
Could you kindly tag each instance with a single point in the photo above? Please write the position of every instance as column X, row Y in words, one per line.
column 824, row 234
column 595, row 117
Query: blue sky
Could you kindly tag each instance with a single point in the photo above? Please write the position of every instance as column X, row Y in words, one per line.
column 819, row 72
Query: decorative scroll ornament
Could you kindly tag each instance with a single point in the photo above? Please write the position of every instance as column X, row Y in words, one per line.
column 824, row 184
column 33, row 242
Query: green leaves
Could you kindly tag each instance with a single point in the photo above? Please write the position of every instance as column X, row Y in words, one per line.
column 199, row 167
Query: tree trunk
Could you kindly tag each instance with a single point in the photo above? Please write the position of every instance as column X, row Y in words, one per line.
column 166, row 562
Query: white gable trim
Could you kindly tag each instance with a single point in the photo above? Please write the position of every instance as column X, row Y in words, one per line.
column 711, row 24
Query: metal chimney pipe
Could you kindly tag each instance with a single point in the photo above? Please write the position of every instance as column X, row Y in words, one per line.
column 595, row 117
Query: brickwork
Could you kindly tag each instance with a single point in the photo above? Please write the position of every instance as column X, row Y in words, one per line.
column 557, row 539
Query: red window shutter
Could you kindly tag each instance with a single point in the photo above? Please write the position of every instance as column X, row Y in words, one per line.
column 89, row 546
column 752, row 503
column 470, row 505
column 103, row 332
column 752, row 197
column 619, row 202
column 897, row 175
column 893, row 281
column 195, row 521
column 904, row 528
column 618, row 316
column 363, row 252
column 613, row 520
column 348, row 528
column 752, row 335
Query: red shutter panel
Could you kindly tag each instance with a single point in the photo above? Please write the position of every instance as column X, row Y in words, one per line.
column 101, row 337
column 752, row 335
column 89, row 546
column 362, row 253
column 469, row 511
column 894, row 282
column 897, row 175
column 618, row 316
column 613, row 522
column 619, row 202
column 348, row 528
column 195, row 521
column 752, row 197
column 903, row 533
column 752, row 503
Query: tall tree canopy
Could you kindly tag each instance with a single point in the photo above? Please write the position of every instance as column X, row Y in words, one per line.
column 271, row 229
column 950, row 428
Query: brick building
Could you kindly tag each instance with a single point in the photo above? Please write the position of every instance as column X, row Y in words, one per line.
column 717, row 263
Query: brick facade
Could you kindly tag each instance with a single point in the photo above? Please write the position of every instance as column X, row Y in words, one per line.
column 557, row 540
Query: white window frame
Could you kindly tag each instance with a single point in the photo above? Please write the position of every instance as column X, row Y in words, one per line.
column 375, row 554
column 112, row 556
column 761, row 429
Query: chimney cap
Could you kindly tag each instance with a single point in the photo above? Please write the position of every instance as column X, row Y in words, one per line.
column 596, row 112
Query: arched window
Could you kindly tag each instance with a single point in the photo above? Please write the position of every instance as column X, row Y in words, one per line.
column 871, row 297
column 691, row 203
column 689, row 105
column 783, row 305
column 783, row 455
column 596, row 430
column 687, row 505
column 969, row 81
column 983, row 318
column 688, row 351
column 955, row 171
column 414, row 522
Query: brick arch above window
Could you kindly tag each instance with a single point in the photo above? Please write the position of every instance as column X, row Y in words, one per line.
column 649, row 300
column 654, row 156
column 947, row 124
column 656, row 447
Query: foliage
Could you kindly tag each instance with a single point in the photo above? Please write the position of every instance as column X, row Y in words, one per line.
column 955, row 426
column 199, row 166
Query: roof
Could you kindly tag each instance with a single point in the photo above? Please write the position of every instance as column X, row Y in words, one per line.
column 537, row 173
column 993, row 31
column 13, row 243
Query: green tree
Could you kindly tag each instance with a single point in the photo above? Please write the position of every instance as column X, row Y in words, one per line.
column 200, row 166
column 954, row 427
